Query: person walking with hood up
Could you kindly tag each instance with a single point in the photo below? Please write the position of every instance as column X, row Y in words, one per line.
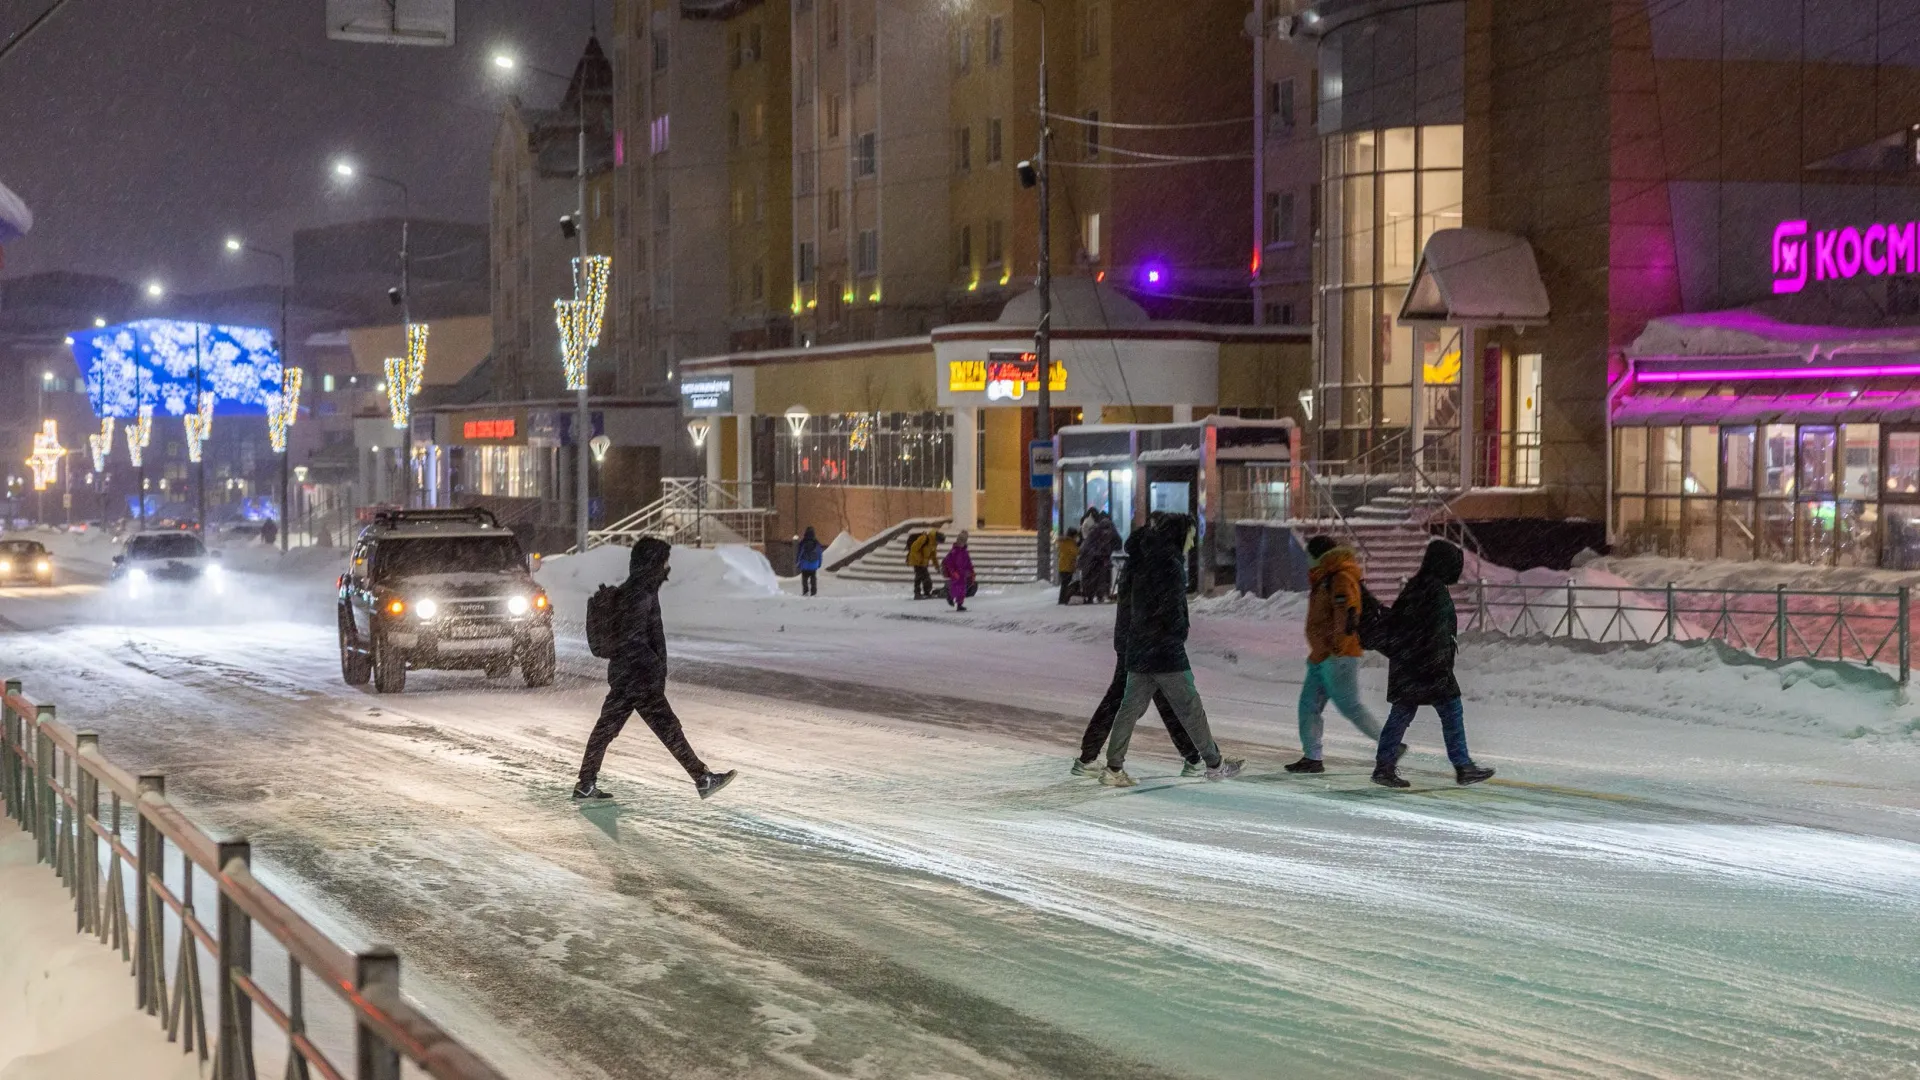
column 637, row 678
column 1333, row 650
column 1423, row 638
column 958, row 568
column 1101, row 724
column 1156, row 649
column 922, row 552
column 807, row 555
column 1095, row 563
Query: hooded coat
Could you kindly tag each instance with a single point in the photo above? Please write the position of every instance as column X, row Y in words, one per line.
column 1425, row 631
column 1156, row 600
column 641, row 659
column 808, row 553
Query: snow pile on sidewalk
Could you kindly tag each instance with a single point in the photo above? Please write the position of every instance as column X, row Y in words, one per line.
column 1243, row 605
column 726, row 572
column 1724, row 574
column 66, row 1001
column 842, row 546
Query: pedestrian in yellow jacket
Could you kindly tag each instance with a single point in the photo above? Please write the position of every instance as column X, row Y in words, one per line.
column 923, row 551
column 1066, row 558
column 1333, row 650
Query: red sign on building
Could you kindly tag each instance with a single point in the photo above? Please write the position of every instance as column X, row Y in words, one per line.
column 488, row 429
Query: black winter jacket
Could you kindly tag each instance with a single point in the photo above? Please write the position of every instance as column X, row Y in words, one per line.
column 641, row 659
column 1156, row 600
column 1425, row 631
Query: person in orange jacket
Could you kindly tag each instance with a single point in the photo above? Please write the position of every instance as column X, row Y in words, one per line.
column 1333, row 650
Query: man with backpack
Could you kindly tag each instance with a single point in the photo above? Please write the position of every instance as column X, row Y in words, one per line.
column 922, row 552
column 807, row 556
column 1337, row 599
column 624, row 627
column 1422, row 639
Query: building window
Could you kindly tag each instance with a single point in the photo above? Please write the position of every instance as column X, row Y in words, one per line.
column 963, row 149
column 759, row 282
column 832, row 302
column 659, row 50
column 831, row 16
column 733, row 130
column 878, row 450
column 867, row 253
column 995, row 253
column 1090, row 32
column 865, row 158
column 996, row 27
column 326, row 384
column 733, row 55
column 963, row 248
column 963, row 51
column 739, row 205
column 993, row 141
column 659, row 132
column 833, row 116
column 753, row 45
column 1093, row 133
column 803, row 169
column 1281, row 113
column 759, row 201
column 833, row 209
column 803, row 272
column 866, row 60
column 1090, row 236
column 758, row 128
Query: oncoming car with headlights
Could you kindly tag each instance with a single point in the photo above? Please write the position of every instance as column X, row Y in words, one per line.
column 163, row 561
column 441, row 589
column 25, row 562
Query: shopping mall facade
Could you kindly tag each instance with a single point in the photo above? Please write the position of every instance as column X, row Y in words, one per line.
column 1646, row 263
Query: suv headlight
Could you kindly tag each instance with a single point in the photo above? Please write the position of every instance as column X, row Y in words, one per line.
column 426, row 609
column 6, row 566
column 44, row 566
column 518, row 605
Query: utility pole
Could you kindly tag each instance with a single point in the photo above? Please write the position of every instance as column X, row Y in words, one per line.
column 1043, row 334
column 582, row 414
column 200, row 467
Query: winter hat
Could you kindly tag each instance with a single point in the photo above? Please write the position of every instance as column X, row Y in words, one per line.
column 1319, row 545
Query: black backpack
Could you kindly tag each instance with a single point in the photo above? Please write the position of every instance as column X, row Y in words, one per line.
column 604, row 610
column 1376, row 623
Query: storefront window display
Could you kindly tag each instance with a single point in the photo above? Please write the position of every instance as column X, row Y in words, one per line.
column 882, row 450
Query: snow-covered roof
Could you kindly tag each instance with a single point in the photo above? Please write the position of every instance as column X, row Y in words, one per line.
column 1477, row 276
column 1751, row 333
column 1079, row 303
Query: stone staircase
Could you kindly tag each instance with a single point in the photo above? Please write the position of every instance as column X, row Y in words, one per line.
column 999, row 558
column 1388, row 526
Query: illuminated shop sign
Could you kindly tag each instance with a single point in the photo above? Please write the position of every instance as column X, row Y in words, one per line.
column 1801, row 254
column 711, row 394
column 479, row 430
column 1005, row 375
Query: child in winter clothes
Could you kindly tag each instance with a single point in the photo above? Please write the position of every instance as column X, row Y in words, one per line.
column 958, row 568
column 1069, row 556
column 806, row 558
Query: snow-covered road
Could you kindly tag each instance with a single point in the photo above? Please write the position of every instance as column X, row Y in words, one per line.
column 1685, row 869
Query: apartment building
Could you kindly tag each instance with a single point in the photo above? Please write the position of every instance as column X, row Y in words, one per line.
column 760, row 175
column 1286, row 166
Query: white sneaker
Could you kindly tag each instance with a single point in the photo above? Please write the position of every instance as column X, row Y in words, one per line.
column 1227, row 769
column 1116, row 778
column 1194, row 768
column 1086, row 768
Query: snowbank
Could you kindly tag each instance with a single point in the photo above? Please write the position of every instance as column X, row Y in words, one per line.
column 66, row 1001
column 1243, row 605
column 725, row 572
column 842, row 546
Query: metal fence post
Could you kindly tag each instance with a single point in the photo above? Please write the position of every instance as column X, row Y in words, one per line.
column 1480, row 604
column 9, row 743
column 43, row 813
column 1572, row 614
column 235, row 1060
column 146, row 863
column 1670, row 612
column 1906, row 659
column 378, row 966
column 87, row 851
column 1780, row 622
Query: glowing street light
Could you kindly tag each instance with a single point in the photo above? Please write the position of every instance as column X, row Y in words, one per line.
column 504, row 61
column 99, row 323
column 343, row 169
column 234, row 244
column 155, row 290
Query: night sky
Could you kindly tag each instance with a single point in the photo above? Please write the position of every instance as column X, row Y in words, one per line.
column 143, row 132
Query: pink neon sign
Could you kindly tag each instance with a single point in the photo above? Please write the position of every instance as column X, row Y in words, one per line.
column 1801, row 255
column 1874, row 371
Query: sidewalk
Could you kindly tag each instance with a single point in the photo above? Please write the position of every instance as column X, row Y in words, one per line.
column 66, row 1000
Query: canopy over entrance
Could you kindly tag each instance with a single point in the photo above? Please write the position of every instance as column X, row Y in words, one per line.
column 1477, row 277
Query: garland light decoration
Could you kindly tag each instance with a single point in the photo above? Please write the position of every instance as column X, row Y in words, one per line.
column 284, row 408
column 199, row 426
column 404, row 375
column 101, row 444
column 581, row 318
column 46, row 456
column 139, row 434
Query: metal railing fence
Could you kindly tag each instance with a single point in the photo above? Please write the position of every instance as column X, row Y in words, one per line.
column 110, row 835
column 1871, row 629
column 693, row 511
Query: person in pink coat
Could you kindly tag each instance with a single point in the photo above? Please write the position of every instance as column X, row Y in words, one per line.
column 958, row 568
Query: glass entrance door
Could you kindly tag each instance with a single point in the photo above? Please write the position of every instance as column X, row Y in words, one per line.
column 1900, row 498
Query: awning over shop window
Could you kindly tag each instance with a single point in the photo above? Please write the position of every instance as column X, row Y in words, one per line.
column 1477, row 277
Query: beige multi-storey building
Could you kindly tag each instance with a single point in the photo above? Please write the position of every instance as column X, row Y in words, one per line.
column 1286, row 166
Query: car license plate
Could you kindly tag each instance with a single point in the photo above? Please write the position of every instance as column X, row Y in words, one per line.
column 474, row 630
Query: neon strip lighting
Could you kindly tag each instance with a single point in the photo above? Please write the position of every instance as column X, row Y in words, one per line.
column 1878, row 371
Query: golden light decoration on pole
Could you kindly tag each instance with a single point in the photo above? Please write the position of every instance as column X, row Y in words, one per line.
column 404, row 375
column 139, row 434
column 46, row 456
column 102, row 444
column 284, row 409
column 581, row 318
column 199, row 425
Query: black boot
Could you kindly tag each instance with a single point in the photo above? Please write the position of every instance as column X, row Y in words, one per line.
column 712, row 782
column 1389, row 778
column 590, row 791
column 1471, row 774
column 1307, row 765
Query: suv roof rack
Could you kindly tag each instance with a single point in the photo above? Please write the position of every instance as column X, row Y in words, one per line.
column 473, row 515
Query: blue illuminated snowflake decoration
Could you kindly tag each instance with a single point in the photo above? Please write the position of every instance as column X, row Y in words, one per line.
column 168, row 365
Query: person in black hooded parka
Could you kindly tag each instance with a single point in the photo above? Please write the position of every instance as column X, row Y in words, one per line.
column 1420, row 653
column 637, row 677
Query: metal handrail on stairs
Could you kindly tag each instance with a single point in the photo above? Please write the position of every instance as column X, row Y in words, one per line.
column 688, row 509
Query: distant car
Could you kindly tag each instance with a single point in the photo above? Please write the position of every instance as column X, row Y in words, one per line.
column 164, row 561
column 25, row 562
column 443, row 589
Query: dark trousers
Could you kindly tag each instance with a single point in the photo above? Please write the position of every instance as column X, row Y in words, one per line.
column 651, row 704
column 1066, row 587
column 923, row 583
column 1102, row 722
column 1453, row 728
column 809, row 583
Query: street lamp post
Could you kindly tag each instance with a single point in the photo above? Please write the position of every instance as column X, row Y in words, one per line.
column 797, row 423
column 582, row 413
column 346, row 171
column 238, row 246
column 1043, row 333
